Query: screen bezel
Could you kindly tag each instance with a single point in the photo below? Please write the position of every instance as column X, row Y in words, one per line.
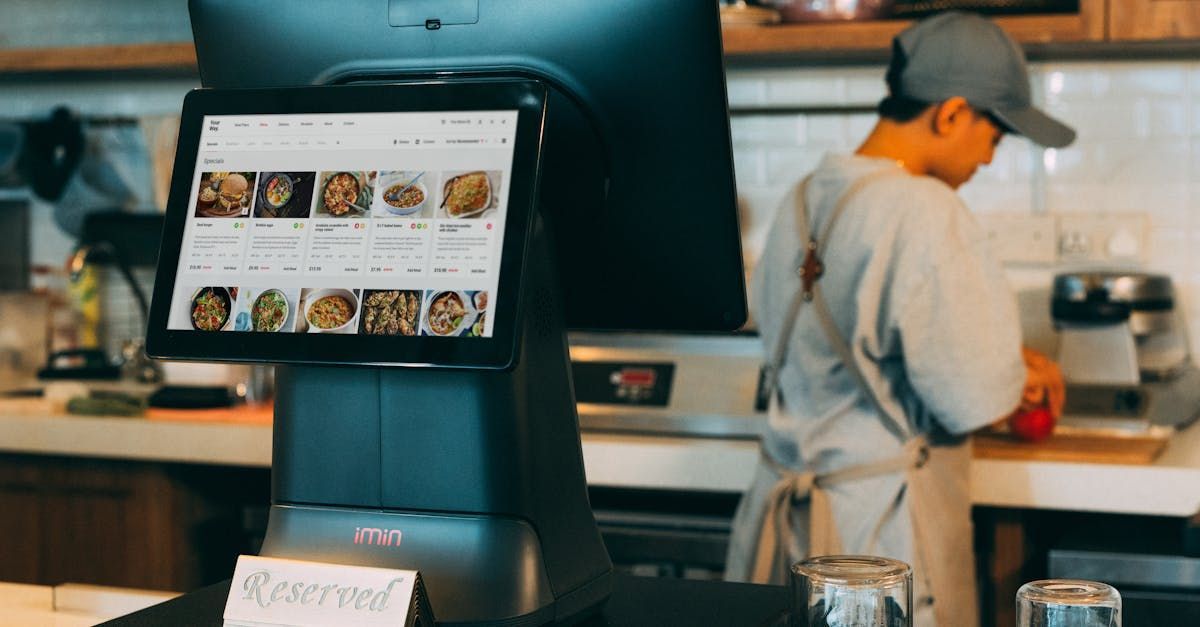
column 527, row 97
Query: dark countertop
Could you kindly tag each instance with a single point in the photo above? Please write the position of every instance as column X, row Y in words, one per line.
column 635, row 602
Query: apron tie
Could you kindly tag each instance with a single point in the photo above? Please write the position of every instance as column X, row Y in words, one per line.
column 777, row 535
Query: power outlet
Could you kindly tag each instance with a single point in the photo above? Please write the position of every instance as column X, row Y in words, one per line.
column 1020, row 238
column 1074, row 244
column 1103, row 237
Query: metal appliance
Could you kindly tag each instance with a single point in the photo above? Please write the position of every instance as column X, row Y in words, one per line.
column 1124, row 351
column 663, row 385
column 669, row 384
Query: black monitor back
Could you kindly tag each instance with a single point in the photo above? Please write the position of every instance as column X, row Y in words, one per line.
column 637, row 178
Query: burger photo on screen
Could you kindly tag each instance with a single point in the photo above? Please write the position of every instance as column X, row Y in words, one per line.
column 233, row 191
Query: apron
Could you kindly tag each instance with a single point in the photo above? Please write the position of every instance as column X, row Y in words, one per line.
column 787, row 515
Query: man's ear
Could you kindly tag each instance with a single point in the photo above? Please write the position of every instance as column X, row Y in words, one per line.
column 949, row 114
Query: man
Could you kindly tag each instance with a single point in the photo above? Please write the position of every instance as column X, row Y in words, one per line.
column 889, row 332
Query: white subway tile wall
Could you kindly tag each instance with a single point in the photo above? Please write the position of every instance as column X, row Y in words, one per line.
column 1138, row 149
column 103, row 96
column 51, row 23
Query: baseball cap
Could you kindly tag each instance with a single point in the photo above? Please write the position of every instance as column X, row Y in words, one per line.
column 963, row 54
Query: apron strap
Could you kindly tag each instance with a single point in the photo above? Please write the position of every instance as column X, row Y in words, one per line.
column 898, row 428
column 777, row 535
column 779, row 351
column 809, row 268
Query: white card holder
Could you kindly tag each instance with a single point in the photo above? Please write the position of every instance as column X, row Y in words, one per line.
column 272, row 592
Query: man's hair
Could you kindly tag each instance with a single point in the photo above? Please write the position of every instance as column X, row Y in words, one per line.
column 902, row 108
column 896, row 106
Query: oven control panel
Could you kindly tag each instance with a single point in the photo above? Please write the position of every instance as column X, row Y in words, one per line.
column 623, row 383
column 671, row 385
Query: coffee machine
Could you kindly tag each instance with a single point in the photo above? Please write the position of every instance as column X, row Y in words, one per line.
column 1124, row 351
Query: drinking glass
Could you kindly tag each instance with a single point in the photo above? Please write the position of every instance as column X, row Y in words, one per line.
column 851, row 591
column 1068, row 603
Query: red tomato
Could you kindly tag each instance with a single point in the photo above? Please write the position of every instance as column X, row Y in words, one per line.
column 1032, row 425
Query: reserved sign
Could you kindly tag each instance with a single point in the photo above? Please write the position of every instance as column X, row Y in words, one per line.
column 270, row 591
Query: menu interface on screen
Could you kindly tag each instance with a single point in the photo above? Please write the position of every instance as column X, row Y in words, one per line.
column 365, row 223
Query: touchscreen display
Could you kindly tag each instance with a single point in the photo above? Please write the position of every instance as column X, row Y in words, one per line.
column 361, row 223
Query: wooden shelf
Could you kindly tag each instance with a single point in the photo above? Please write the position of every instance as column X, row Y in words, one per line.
column 1083, row 34
column 156, row 56
column 792, row 39
column 1153, row 20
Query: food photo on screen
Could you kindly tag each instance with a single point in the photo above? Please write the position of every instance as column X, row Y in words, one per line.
column 225, row 194
column 344, row 194
column 390, row 312
column 471, row 194
column 480, row 301
column 328, row 310
column 266, row 310
column 450, row 313
column 284, row 195
column 203, row 308
column 404, row 194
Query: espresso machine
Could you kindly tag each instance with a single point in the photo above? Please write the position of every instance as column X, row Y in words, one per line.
column 1124, row 351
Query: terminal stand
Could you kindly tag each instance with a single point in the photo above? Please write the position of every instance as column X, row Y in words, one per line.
column 474, row 477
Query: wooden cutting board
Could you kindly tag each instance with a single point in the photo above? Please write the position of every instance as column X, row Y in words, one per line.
column 243, row 414
column 1095, row 448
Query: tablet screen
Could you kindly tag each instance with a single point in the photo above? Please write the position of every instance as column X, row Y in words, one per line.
column 365, row 236
column 374, row 224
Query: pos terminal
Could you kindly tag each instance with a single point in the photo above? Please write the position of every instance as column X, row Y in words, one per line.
column 411, row 245
column 464, row 459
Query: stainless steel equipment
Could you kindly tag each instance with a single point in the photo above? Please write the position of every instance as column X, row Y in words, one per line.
column 1124, row 351
column 682, row 384
column 671, row 386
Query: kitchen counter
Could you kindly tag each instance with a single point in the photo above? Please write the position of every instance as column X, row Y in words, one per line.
column 1168, row 487
column 71, row 605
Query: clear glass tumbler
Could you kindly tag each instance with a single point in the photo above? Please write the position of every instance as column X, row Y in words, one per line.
column 1068, row 603
column 851, row 591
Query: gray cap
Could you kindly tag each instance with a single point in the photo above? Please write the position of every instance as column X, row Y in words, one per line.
column 962, row 54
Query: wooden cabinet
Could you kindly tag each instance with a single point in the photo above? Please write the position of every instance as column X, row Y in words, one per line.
column 1152, row 20
column 139, row 525
column 784, row 39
